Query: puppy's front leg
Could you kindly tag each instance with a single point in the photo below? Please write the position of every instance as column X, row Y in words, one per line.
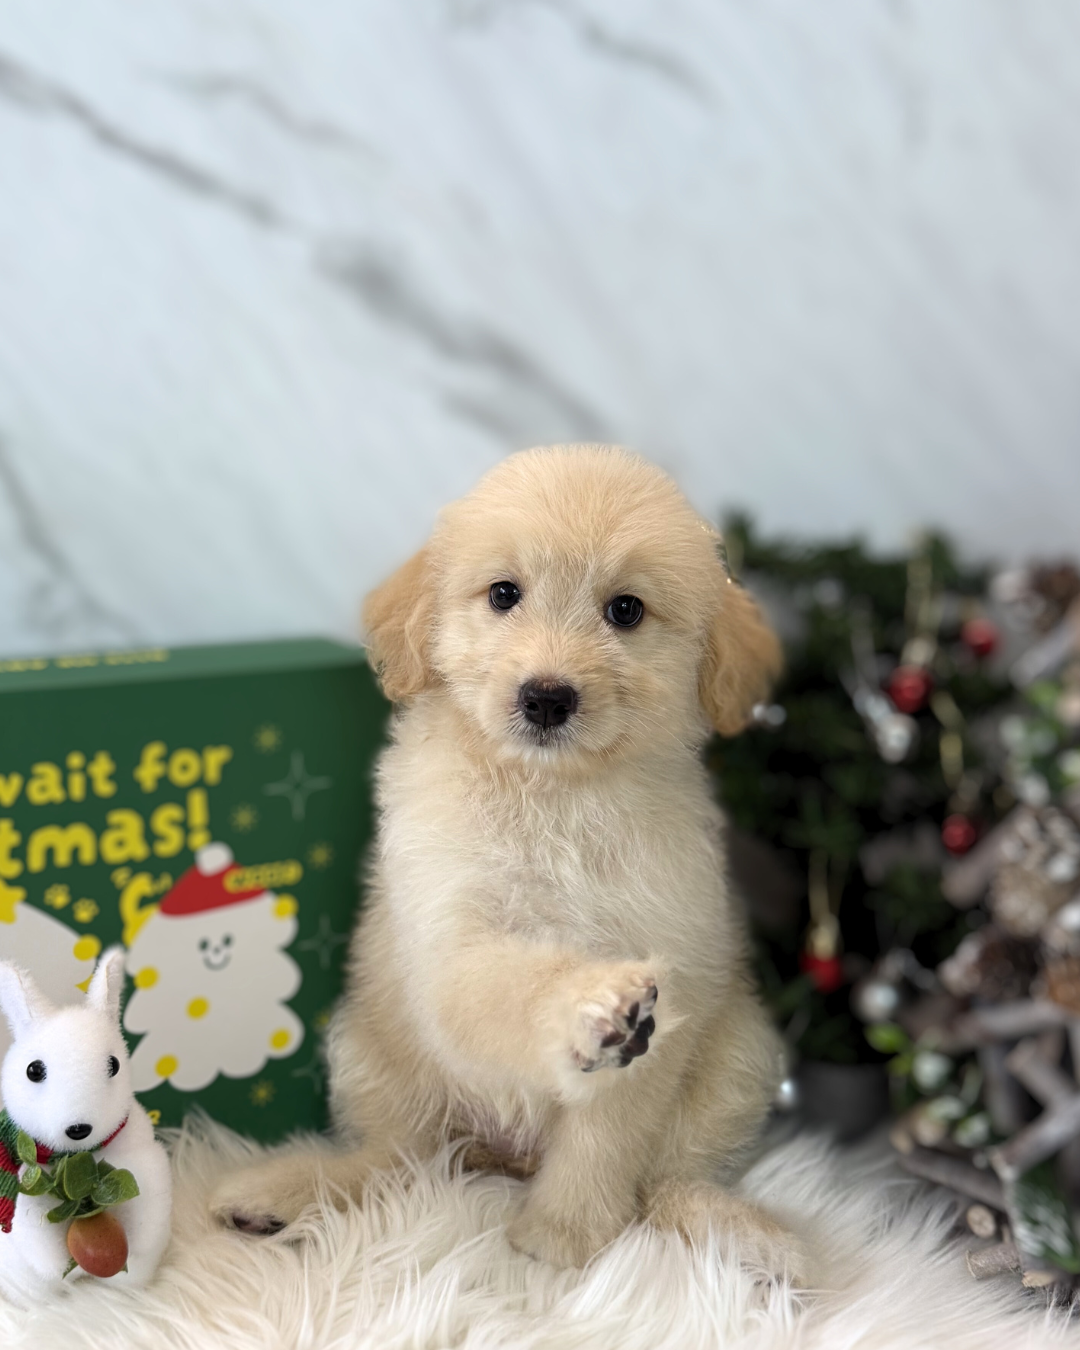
column 540, row 1016
column 586, row 1191
column 267, row 1196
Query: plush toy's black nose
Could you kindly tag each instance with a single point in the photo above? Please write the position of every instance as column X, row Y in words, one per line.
column 547, row 705
column 78, row 1131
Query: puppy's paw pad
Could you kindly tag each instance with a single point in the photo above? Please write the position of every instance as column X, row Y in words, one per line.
column 265, row 1225
column 260, row 1200
column 613, row 1018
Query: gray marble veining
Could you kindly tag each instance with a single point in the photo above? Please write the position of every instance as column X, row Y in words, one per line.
column 277, row 280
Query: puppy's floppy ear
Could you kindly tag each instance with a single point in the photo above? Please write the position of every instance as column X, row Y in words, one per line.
column 398, row 618
column 742, row 660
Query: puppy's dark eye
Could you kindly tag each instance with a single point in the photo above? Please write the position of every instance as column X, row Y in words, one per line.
column 624, row 611
column 504, row 595
column 113, row 1066
column 35, row 1071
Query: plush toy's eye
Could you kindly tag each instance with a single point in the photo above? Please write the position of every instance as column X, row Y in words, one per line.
column 204, row 944
column 113, row 1066
column 35, row 1071
column 624, row 611
column 226, row 940
column 504, row 595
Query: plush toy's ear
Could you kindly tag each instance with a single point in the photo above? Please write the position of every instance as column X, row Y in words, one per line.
column 398, row 620
column 107, row 983
column 21, row 1001
column 742, row 660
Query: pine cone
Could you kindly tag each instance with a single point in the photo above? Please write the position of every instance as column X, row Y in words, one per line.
column 1061, row 980
column 1057, row 586
column 1038, row 871
column 989, row 964
column 1061, row 936
column 1023, row 898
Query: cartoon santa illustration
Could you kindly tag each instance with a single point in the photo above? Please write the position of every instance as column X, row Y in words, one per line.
column 212, row 979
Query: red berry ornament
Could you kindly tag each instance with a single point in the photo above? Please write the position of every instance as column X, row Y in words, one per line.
column 980, row 637
column 827, row 972
column 909, row 688
column 958, row 834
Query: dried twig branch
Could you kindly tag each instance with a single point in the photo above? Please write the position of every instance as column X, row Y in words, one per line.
column 956, row 1174
column 1029, row 1063
column 1007, row 1021
column 981, row 1220
column 983, row 1262
column 1041, row 1139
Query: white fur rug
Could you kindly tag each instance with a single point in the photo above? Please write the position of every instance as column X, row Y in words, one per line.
column 426, row 1265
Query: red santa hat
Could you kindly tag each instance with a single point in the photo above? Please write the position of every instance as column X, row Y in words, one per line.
column 205, row 886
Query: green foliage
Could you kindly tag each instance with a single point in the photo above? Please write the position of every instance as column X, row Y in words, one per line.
column 1048, row 1231
column 817, row 783
column 26, row 1148
column 888, row 1038
column 83, row 1184
column 912, row 909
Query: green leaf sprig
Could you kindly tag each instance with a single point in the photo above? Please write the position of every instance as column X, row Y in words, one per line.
column 83, row 1184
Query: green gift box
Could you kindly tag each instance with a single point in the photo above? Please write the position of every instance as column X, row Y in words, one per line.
column 208, row 808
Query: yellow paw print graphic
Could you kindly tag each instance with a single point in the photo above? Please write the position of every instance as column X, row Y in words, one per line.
column 58, row 896
column 85, row 910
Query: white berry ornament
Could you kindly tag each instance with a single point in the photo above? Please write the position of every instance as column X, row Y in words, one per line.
column 85, row 1188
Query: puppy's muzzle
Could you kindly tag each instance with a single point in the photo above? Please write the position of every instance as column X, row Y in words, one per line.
column 547, row 705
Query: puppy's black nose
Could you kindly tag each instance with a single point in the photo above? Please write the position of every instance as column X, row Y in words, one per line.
column 547, row 705
column 78, row 1131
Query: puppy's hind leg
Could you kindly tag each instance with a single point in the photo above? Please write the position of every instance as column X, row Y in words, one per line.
column 697, row 1210
column 267, row 1196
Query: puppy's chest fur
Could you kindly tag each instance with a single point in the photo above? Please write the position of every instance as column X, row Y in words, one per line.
column 571, row 878
column 630, row 865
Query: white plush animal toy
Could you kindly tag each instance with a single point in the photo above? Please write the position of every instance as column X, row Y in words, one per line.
column 65, row 1083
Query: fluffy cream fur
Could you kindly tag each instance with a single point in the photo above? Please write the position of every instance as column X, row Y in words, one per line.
column 424, row 1263
column 534, row 895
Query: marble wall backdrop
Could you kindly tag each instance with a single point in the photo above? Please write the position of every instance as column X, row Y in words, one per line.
column 278, row 277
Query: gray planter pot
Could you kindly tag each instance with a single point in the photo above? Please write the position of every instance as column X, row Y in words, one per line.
column 849, row 1099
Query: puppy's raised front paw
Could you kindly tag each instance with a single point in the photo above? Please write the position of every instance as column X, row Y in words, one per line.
column 610, row 1012
column 265, row 1198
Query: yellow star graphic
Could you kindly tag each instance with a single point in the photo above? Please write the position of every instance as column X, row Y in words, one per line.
column 262, row 1094
column 244, row 817
column 267, row 738
column 320, row 855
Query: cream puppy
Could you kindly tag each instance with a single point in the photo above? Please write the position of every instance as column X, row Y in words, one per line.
column 549, row 963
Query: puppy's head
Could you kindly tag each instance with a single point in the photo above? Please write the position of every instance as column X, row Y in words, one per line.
column 573, row 606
